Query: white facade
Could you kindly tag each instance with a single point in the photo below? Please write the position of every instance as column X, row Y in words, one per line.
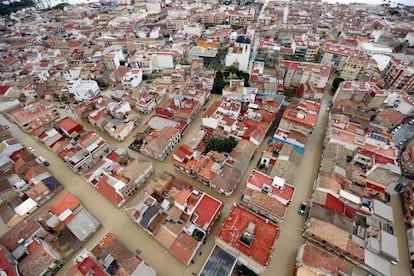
column 162, row 60
column 193, row 30
column 153, row 6
column 45, row 4
column 239, row 54
column 132, row 79
column 83, row 89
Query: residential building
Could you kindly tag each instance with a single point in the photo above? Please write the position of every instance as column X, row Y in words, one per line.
column 219, row 172
column 48, row 136
column 305, row 47
column 132, row 79
column 344, row 243
column 267, row 196
column 112, row 59
column 297, row 124
column 121, row 259
column 399, row 74
column 159, row 143
column 336, row 54
column 315, row 76
column 145, row 100
column 69, row 127
column 8, row 264
column 311, row 258
column 212, row 17
column 353, row 67
column 41, row 258
column 176, row 214
column 83, row 89
column 239, row 17
column 69, row 212
column 249, row 238
column 33, row 116
column 407, row 203
column 410, row 239
column 25, row 231
column 219, row 260
column 9, row 146
column 372, row 154
column 360, row 95
column 287, row 163
column 117, row 183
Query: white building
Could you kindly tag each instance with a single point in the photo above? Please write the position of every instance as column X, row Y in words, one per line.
column 83, row 89
column 162, row 60
column 45, row 4
column 239, row 54
column 193, row 30
column 153, row 6
column 132, row 79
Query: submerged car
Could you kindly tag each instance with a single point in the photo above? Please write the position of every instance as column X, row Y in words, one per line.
column 302, row 208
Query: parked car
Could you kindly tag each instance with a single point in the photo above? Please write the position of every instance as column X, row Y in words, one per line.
column 31, row 149
column 302, row 208
column 399, row 187
column 43, row 161
column 5, row 126
column 387, row 197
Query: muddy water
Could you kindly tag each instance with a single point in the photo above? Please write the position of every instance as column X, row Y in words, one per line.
column 115, row 220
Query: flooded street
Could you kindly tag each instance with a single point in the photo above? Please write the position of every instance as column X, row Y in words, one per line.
column 116, row 221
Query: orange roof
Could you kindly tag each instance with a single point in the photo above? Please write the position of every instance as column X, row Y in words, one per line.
column 183, row 247
column 181, row 198
column 68, row 202
column 108, row 191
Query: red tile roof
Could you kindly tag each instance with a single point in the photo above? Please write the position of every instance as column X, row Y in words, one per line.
column 68, row 202
column 108, row 191
column 69, row 124
column 295, row 115
column 257, row 179
column 5, row 264
column 317, row 258
column 183, row 247
column 23, row 230
column 265, row 234
column 38, row 259
column 206, row 211
column 89, row 267
column 4, row 89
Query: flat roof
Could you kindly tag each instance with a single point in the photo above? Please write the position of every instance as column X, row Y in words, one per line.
column 206, row 210
column 218, row 263
column 383, row 210
column 68, row 123
column 265, row 234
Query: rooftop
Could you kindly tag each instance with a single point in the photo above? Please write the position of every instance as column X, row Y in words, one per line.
column 108, row 245
column 278, row 187
column 300, row 116
column 317, row 258
column 65, row 205
column 206, row 210
column 265, row 234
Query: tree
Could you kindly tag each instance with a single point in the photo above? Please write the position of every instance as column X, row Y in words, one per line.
column 219, row 83
column 56, row 96
column 220, row 144
column 233, row 69
column 336, row 82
